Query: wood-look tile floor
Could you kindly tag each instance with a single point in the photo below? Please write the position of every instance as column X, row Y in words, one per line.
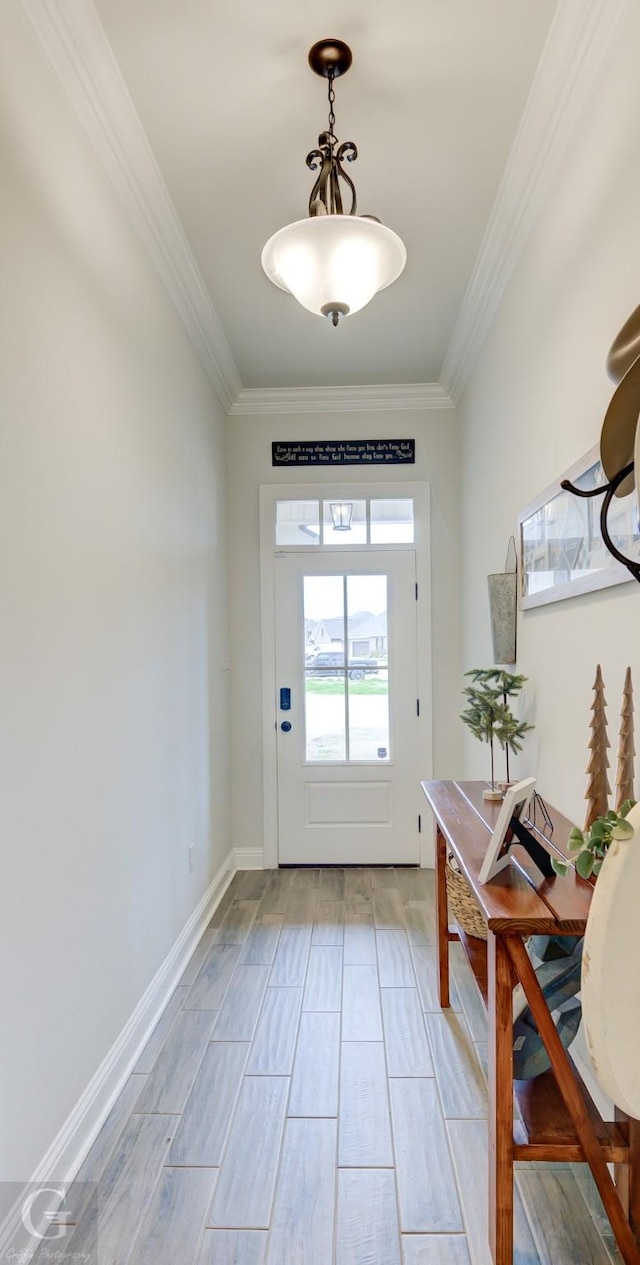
column 304, row 1101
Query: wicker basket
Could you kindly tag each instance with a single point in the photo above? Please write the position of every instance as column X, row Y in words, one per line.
column 462, row 904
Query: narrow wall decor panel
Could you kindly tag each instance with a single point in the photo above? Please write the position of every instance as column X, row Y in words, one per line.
column 177, row 1065
column 244, row 1192
column 314, row 1083
column 303, row 1211
column 364, row 1127
column 202, row 1131
column 426, row 1184
column 367, row 1230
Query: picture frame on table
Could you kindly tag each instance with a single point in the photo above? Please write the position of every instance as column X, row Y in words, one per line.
column 514, row 805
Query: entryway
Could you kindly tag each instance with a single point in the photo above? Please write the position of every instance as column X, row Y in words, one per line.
column 346, row 671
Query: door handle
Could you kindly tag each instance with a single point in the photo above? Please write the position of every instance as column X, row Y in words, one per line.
column 285, row 726
column 285, row 699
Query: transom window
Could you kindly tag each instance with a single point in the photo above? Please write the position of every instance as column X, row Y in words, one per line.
column 344, row 522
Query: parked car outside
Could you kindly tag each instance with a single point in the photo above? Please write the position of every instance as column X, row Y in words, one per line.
column 330, row 662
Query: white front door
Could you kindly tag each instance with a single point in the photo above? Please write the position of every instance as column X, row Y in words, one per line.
column 346, row 708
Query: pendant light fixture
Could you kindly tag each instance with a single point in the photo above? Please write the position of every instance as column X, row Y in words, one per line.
column 335, row 261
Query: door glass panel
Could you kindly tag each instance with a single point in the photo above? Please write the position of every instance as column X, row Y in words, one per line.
column 392, row 521
column 368, row 672
column 324, row 685
column 297, row 522
column 346, row 697
column 344, row 522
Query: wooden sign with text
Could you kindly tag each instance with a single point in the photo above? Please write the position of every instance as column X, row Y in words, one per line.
column 344, row 452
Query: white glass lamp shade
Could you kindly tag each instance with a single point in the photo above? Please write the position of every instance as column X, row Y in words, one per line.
column 334, row 262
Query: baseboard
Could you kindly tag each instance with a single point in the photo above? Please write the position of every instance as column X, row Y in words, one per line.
column 248, row 858
column 69, row 1148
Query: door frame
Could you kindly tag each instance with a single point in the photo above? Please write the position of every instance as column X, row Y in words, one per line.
column 336, row 489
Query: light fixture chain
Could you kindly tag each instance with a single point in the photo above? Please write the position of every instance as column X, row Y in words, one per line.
column 332, row 96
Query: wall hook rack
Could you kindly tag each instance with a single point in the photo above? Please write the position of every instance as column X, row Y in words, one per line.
column 609, row 490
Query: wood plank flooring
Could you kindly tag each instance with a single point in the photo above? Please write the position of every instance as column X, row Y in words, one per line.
column 304, row 1101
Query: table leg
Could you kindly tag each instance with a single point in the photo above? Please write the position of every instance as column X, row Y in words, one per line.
column 500, row 980
column 442, row 916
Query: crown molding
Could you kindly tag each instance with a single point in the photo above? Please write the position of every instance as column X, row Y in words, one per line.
column 577, row 44
column 74, row 40
column 360, row 399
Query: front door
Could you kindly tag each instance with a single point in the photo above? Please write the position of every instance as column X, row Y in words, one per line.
column 346, row 708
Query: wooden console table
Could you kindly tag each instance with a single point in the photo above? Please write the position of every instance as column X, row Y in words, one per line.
column 558, row 1118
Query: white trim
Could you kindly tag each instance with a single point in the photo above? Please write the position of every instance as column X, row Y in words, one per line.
column 248, row 858
column 75, row 43
column 269, row 494
column 69, row 1148
column 577, row 44
column 356, row 399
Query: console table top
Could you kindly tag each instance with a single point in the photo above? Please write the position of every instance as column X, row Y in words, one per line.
column 519, row 898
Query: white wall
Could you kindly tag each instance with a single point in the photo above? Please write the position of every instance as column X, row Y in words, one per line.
column 114, row 712
column 249, row 462
column 535, row 404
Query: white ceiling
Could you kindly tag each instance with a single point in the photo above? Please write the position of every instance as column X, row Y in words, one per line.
column 230, row 109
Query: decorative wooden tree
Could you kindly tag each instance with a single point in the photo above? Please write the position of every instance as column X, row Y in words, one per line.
column 598, row 788
column 626, row 749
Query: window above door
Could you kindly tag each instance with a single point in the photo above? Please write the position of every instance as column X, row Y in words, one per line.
column 344, row 522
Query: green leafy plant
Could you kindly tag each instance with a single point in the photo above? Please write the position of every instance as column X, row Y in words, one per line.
column 593, row 844
column 488, row 714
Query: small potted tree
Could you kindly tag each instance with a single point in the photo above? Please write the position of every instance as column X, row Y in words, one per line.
column 489, row 717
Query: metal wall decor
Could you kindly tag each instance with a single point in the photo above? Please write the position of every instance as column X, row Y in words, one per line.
column 503, row 608
column 620, row 436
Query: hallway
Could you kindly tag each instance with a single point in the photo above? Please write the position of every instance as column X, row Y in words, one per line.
column 304, row 1101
